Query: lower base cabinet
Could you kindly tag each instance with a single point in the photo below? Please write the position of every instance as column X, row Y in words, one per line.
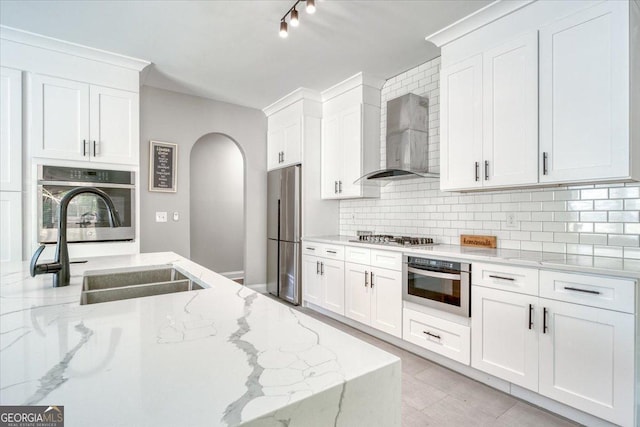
column 578, row 355
column 438, row 335
column 373, row 296
column 323, row 282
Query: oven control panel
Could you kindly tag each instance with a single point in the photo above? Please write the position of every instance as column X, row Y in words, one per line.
column 436, row 264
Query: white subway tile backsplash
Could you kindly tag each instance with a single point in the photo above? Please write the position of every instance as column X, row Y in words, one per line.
column 601, row 220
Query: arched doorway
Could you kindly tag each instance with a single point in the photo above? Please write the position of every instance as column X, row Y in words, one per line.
column 217, row 216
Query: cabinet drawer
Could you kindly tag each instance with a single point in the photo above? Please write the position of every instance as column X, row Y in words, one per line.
column 386, row 259
column 310, row 248
column 505, row 277
column 438, row 335
column 358, row 255
column 333, row 252
column 612, row 293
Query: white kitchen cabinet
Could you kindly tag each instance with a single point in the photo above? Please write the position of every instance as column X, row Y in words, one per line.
column 10, row 129
column 77, row 121
column 10, row 226
column 373, row 295
column 584, row 95
column 504, row 341
column 284, row 138
column 350, row 138
column 323, row 276
column 578, row 354
column 461, row 124
column 586, row 359
column 489, row 126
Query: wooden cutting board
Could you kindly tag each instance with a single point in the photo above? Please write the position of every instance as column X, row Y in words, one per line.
column 478, row 241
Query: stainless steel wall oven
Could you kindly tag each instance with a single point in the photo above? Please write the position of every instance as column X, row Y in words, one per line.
column 88, row 219
column 443, row 285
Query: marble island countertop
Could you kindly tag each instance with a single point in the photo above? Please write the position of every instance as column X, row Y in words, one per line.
column 224, row 355
column 552, row 260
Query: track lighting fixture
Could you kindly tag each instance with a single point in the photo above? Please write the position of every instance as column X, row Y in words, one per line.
column 294, row 18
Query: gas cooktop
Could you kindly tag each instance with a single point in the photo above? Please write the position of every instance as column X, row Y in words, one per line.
column 385, row 239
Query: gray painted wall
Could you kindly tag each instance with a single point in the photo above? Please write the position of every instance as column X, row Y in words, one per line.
column 217, row 204
column 183, row 119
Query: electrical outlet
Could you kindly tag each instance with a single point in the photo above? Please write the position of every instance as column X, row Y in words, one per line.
column 511, row 220
column 161, row 217
column 176, row 216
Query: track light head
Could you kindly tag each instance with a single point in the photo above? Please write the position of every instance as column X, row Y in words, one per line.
column 293, row 20
column 311, row 6
column 283, row 29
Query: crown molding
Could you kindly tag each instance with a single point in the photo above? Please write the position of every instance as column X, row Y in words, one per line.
column 295, row 96
column 477, row 19
column 354, row 81
column 74, row 49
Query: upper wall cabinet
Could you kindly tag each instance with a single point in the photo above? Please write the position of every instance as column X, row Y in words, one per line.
column 77, row 121
column 10, row 129
column 569, row 61
column 350, row 137
column 284, row 137
column 584, row 96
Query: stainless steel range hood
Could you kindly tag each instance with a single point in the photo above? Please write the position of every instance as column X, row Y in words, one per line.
column 407, row 142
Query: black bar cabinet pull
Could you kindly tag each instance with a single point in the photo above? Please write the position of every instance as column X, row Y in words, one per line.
column 486, row 170
column 477, row 171
column 332, row 252
column 335, row 187
column 432, row 335
column 545, row 160
column 317, row 267
column 339, row 186
column 94, row 148
column 322, row 268
column 530, row 316
column 372, row 280
column 311, row 249
column 544, row 321
column 501, row 277
column 84, row 147
column 586, row 291
column 366, row 278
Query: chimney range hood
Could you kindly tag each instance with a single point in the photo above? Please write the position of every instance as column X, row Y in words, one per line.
column 407, row 142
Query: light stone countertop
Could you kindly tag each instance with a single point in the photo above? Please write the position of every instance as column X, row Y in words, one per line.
column 224, row 355
column 550, row 260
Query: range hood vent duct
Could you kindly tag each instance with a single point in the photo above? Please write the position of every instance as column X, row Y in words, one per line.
column 407, row 142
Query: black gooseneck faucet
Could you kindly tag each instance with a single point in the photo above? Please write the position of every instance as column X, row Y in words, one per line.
column 60, row 265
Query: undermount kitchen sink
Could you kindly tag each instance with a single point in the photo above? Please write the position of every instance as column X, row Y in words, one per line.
column 115, row 286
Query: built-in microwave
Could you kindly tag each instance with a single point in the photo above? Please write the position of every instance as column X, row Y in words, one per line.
column 88, row 217
column 443, row 285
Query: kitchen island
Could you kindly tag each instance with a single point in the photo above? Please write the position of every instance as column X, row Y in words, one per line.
column 224, row 355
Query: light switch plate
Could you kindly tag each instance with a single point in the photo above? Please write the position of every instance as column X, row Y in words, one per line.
column 176, row 216
column 161, row 217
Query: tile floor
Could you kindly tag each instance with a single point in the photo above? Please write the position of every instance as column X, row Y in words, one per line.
column 436, row 396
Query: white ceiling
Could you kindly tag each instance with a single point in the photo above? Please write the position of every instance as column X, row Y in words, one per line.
column 231, row 51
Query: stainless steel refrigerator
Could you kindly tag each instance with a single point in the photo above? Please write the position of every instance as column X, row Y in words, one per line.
column 283, row 233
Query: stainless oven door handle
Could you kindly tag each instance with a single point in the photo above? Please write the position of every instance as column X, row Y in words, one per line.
column 428, row 273
column 72, row 184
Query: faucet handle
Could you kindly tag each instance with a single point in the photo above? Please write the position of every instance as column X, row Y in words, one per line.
column 34, row 268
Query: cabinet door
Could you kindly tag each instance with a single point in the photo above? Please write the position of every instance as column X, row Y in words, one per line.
column 386, row 300
column 503, row 342
column 584, row 95
column 11, row 226
column 461, row 125
column 114, row 133
column 333, row 285
column 510, row 113
column 351, row 141
column 291, row 150
column 311, row 280
column 60, row 118
column 275, row 142
column 587, row 359
column 10, row 129
column 357, row 292
column 331, row 156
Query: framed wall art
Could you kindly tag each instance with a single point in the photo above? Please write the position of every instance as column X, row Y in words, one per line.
column 163, row 166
